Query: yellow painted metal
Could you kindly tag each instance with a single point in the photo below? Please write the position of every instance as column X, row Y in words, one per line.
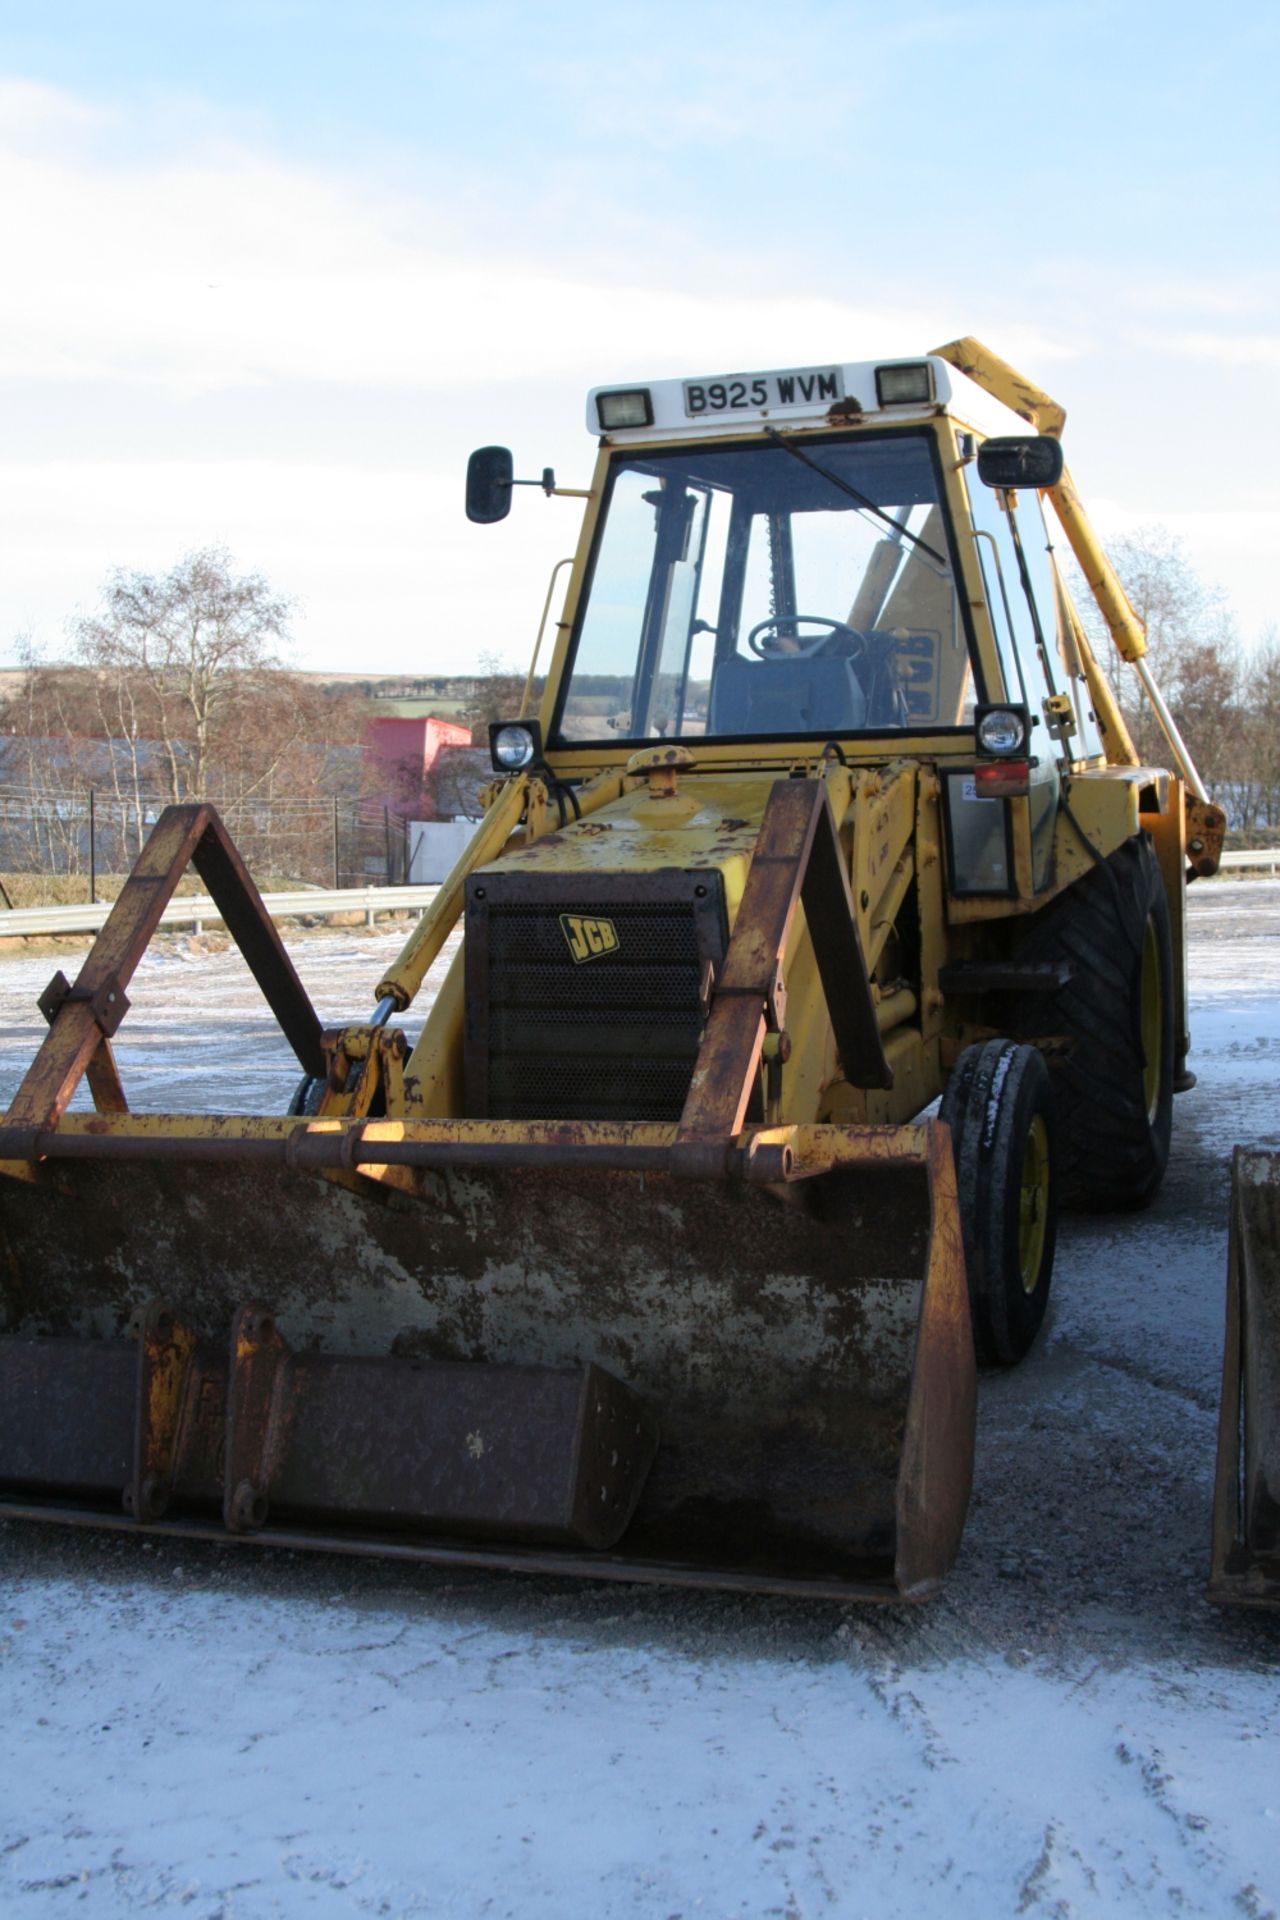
column 711, row 821
column 527, row 695
column 1105, row 802
column 1104, row 582
column 1033, row 1203
column 931, row 897
column 1033, row 405
column 569, row 612
column 971, row 583
column 813, row 1148
column 402, row 980
column 1164, row 818
column 511, row 799
column 1022, row 396
column 433, row 1076
column 884, row 821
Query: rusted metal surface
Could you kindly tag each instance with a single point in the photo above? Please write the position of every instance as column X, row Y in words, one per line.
column 84, row 1015
column 765, row 1155
column 797, row 857
column 1206, row 829
column 806, row 1362
column 1245, row 1569
column 67, row 1417
column 102, row 1073
column 842, row 966
column 166, row 1349
column 530, row 1454
column 1023, row 396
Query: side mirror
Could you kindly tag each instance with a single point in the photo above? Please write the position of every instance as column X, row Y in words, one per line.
column 1020, row 460
column 490, row 472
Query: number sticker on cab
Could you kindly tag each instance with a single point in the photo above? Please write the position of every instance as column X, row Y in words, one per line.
column 761, row 392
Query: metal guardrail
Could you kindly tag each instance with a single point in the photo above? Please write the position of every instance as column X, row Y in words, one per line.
column 197, row 909
column 1267, row 858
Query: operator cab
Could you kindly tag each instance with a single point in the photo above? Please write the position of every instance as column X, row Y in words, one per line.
column 749, row 590
column 813, row 555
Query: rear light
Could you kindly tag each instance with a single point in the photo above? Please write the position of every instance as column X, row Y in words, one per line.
column 993, row 779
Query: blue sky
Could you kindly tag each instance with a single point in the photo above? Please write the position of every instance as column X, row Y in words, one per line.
column 273, row 269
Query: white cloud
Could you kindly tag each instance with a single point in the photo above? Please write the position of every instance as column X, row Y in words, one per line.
column 1224, row 349
column 384, row 572
column 223, row 269
column 32, row 115
column 229, row 268
column 1232, row 548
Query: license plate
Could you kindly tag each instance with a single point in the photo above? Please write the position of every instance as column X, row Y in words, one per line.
column 755, row 392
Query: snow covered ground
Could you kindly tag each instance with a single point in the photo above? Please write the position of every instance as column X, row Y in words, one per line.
column 1069, row 1730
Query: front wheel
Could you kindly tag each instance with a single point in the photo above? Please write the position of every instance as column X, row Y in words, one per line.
column 999, row 1106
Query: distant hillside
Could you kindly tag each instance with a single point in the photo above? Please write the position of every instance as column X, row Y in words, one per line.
column 443, row 696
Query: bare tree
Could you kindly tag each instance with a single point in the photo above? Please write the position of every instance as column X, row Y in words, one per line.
column 182, row 656
column 497, row 694
column 179, row 693
column 1193, row 647
column 1257, row 789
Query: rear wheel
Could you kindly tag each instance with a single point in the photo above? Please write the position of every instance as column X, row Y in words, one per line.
column 999, row 1106
column 1114, row 1081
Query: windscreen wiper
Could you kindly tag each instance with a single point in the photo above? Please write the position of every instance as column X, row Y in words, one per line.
column 860, row 499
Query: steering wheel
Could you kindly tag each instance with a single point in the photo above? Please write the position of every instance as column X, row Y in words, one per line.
column 797, row 651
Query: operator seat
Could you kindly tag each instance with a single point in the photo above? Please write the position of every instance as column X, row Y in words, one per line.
column 790, row 695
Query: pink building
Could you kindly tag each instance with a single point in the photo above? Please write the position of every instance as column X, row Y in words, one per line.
column 403, row 750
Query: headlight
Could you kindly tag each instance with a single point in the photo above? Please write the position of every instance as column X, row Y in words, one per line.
column 513, row 745
column 903, row 386
column 631, row 409
column 1002, row 730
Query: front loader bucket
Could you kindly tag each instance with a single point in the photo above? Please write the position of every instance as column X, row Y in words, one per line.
column 1246, row 1511
column 546, row 1347
column 701, row 1352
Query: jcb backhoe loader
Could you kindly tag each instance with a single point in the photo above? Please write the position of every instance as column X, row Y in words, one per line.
column 642, row 1262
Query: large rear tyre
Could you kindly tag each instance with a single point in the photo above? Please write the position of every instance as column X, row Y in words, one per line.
column 1114, row 1080
column 999, row 1106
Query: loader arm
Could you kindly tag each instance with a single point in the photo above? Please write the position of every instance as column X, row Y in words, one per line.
column 1015, row 391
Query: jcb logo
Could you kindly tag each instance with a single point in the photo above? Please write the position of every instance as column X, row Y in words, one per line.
column 588, row 939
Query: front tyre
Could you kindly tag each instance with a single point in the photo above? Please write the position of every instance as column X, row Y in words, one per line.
column 1000, row 1108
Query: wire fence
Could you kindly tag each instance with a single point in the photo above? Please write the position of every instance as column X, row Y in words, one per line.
column 318, row 841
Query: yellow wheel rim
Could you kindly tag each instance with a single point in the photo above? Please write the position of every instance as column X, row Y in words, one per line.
column 1152, row 1020
column 1033, row 1203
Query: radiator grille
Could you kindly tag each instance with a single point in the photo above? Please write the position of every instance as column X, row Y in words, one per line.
column 611, row 1037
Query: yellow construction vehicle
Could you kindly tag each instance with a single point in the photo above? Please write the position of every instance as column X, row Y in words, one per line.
column 642, row 1261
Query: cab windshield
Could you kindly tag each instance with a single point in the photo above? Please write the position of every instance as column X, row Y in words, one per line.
column 755, row 591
